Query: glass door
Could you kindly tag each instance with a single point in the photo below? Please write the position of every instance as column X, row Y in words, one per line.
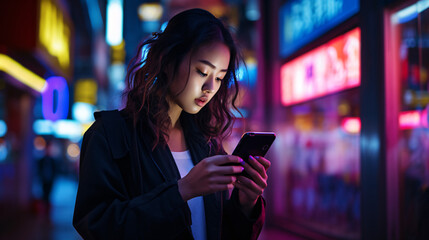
column 407, row 99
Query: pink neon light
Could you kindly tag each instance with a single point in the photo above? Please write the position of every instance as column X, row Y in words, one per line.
column 330, row 68
column 425, row 118
column 407, row 120
column 413, row 119
column 351, row 125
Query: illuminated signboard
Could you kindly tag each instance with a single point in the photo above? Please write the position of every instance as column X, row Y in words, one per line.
column 54, row 33
column 55, row 99
column 413, row 119
column 351, row 125
column 330, row 68
column 85, row 90
column 407, row 120
column 302, row 21
column 22, row 74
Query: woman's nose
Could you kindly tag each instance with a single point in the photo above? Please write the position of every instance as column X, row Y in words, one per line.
column 210, row 85
column 208, row 91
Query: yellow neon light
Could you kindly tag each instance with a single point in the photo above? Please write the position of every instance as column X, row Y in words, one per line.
column 16, row 70
column 150, row 11
column 54, row 33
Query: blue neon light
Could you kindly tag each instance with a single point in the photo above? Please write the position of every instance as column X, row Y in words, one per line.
column 67, row 128
column 3, row 152
column 302, row 21
column 83, row 112
column 411, row 12
column 247, row 75
column 43, row 127
column 3, row 128
column 64, row 128
column 55, row 99
column 115, row 18
column 94, row 14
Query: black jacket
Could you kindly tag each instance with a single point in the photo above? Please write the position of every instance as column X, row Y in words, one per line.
column 128, row 191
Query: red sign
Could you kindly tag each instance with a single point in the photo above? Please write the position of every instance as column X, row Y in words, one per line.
column 330, row 68
column 413, row 119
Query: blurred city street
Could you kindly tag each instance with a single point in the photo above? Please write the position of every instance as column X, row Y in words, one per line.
column 58, row 226
column 343, row 84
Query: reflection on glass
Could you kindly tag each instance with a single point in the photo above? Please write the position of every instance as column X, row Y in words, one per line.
column 317, row 174
column 412, row 39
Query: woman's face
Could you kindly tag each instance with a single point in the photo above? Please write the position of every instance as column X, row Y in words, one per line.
column 206, row 67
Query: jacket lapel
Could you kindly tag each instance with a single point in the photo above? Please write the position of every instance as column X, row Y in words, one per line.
column 162, row 158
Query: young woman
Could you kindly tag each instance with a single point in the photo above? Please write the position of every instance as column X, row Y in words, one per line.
column 157, row 169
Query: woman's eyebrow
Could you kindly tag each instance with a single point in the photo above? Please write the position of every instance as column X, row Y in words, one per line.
column 211, row 65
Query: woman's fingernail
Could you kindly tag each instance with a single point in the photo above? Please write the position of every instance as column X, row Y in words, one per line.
column 241, row 161
column 242, row 168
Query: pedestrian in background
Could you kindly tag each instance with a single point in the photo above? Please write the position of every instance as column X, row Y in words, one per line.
column 47, row 172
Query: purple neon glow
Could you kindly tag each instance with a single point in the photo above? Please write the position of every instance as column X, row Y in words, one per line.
column 55, row 99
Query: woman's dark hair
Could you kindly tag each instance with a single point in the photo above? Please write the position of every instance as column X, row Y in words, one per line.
column 148, row 84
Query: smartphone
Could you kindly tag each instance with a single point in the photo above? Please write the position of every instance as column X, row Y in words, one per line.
column 254, row 143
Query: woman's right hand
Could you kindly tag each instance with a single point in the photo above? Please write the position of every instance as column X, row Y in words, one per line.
column 210, row 175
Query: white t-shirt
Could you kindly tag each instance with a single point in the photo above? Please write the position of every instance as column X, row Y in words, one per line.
column 184, row 164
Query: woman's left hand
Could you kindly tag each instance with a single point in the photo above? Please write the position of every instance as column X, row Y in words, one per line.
column 251, row 188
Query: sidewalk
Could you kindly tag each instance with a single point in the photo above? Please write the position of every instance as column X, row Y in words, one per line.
column 63, row 200
column 59, row 225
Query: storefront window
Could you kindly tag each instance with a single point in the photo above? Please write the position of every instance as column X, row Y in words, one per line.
column 319, row 166
column 316, row 183
column 407, row 63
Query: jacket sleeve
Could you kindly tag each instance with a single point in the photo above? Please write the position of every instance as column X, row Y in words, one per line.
column 103, row 208
column 236, row 225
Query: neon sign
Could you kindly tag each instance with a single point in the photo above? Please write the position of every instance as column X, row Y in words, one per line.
column 21, row 73
column 55, row 99
column 407, row 120
column 351, row 125
column 413, row 119
column 301, row 21
column 85, row 91
column 115, row 19
column 64, row 128
column 330, row 68
column 54, row 33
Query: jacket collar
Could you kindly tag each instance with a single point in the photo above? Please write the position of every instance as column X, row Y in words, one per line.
column 161, row 156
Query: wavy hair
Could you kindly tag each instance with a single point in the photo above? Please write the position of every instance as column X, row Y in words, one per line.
column 148, row 78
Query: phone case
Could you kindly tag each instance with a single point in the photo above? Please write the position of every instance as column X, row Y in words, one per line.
column 254, row 143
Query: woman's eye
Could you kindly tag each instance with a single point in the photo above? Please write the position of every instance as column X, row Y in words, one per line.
column 201, row 73
column 219, row 79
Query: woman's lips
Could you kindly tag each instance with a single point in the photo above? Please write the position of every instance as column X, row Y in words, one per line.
column 201, row 101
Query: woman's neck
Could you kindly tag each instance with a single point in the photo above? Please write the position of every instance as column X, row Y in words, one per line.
column 174, row 112
column 176, row 138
